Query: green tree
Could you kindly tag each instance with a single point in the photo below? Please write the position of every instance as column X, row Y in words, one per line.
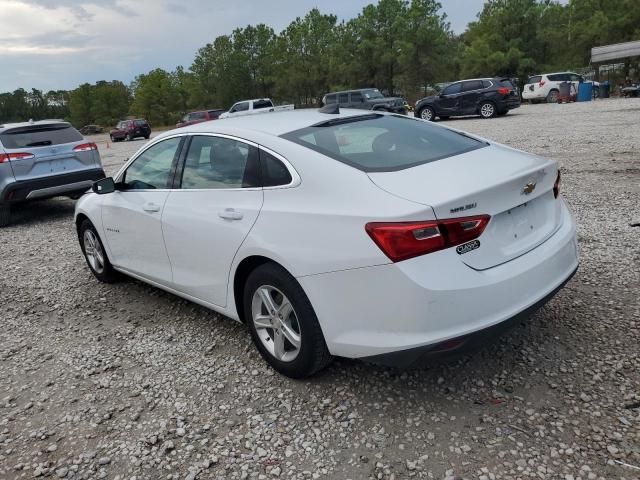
column 156, row 97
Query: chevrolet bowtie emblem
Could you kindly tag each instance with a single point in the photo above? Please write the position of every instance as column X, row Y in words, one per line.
column 528, row 188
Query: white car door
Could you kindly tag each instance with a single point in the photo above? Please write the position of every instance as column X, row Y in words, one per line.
column 131, row 216
column 206, row 220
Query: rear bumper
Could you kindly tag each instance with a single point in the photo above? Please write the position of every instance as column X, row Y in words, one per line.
column 529, row 95
column 424, row 301
column 52, row 186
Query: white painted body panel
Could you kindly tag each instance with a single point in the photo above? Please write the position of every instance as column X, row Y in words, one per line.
column 366, row 305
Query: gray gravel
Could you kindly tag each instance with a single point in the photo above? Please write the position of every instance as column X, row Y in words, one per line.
column 125, row 381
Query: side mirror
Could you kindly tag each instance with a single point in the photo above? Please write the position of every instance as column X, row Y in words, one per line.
column 104, row 186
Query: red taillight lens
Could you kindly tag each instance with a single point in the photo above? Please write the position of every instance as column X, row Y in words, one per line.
column 403, row 240
column 9, row 157
column 503, row 91
column 85, row 147
column 541, row 83
column 556, row 186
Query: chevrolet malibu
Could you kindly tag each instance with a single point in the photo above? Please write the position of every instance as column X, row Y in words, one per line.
column 337, row 233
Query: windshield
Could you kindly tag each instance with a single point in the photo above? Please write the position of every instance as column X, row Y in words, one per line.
column 373, row 93
column 383, row 143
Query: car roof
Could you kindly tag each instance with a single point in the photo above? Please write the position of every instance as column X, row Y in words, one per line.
column 7, row 126
column 353, row 90
column 272, row 123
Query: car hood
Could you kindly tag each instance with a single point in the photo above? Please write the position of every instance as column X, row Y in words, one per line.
column 430, row 98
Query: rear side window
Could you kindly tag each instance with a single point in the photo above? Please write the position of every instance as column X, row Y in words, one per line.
column 559, row 77
column 240, row 107
column 343, row 98
column 506, row 83
column 330, row 99
column 262, row 104
column 486, row 83
column 472, row 85
column 197, row 116
column 274, row 172
column 357, row 97
column 383, row 143
column 40, row 136
column 535, row 79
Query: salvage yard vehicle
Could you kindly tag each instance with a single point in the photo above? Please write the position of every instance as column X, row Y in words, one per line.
column 337, row 233
column 198, row 117
column 252, row 107
column 42, row 160
column 486, row 97
column 91, row 130
column 546, row 87
column 366, row 99
column 130, row 129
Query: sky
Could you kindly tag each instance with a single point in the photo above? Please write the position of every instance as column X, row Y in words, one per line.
column 59, row 44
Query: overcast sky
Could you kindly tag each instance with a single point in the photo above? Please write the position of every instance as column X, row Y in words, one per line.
column 59, row 44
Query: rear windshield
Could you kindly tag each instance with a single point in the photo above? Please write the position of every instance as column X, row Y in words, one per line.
column 535, row 79
column 40, row 136
column 383, row 143
column 505, row 82
column 141, row 123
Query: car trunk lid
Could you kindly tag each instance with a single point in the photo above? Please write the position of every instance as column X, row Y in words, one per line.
column 515, row 188
column 43, row 149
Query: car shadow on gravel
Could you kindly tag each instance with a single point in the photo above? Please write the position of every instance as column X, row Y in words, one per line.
column 43, row 211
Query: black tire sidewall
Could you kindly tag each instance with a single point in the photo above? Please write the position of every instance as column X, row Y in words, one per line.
column 108, row 275
column 313, row 354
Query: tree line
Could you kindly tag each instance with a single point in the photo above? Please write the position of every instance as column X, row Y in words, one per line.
column 402, row 47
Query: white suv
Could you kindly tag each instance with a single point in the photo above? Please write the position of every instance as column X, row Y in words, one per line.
column 545, row 87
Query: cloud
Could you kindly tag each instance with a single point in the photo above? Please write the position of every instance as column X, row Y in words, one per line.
column 54, row 44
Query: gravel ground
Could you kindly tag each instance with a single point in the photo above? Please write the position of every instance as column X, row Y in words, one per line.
column 125, row 381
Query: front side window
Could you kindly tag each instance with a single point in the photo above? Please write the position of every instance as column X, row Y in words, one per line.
column 576, row 78
column 452, row 89
column 152, row 169
column 383, row 143
column 343, row 98
column 356, row 97
column 240, row 107
column 197, row 116
column 218, row 162
column 372, row 93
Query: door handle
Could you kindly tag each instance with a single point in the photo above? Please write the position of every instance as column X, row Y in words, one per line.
column 230, row 214
column 151, row 207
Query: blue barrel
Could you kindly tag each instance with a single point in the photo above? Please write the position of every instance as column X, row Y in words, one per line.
column 585, row 90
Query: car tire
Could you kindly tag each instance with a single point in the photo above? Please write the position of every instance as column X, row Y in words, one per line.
column 5, row 215
column 146, row 137
column 487, row 110
column 552, row 96
column 296, row 346
column 113, row 139
column 95, row 254
column 427, row 113
column 130, row 137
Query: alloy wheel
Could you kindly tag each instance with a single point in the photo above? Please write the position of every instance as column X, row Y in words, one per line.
column 93, row 251
column 487, row 110
column 426, row 114
column 276, row 323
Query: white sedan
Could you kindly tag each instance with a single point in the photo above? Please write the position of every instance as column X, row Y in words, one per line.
column 354, row 234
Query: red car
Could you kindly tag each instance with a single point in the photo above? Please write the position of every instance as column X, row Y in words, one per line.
column 130, row 129
column 198, row 117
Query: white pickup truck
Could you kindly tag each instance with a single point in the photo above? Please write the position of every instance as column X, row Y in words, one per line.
column 251, row 107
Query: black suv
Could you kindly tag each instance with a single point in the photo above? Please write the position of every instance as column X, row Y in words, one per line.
column 365, row 99
column 486, row 97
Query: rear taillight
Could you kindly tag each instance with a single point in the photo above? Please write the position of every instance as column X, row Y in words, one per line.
column 85, row 147
column 541, row 83
column 556, row 186
column 503, row 91
column 403, row 240
column 9, row 157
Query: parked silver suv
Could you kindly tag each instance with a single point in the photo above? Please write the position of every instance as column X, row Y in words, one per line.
column 44, row 159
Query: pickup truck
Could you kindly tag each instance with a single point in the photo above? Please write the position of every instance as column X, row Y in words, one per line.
column 251, row 107
column 199, row 117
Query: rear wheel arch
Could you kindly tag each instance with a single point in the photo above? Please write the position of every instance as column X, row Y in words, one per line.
column 242, row 272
